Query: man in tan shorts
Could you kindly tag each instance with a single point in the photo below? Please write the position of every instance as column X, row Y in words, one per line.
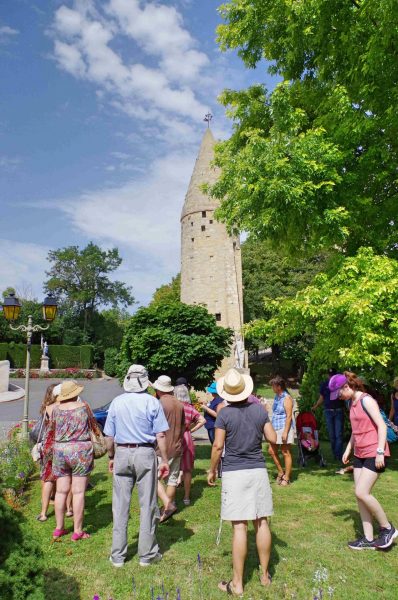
column 174, row 411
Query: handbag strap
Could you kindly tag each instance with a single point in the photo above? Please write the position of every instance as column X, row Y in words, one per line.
column 92, row 423
column 43, row 418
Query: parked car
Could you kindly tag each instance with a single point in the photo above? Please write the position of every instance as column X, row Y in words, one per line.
column 100, row 415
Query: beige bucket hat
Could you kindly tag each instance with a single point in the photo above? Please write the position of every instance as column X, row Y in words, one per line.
column 234, row 386
column 136, row 379
column 163, row 384
column 69, row 389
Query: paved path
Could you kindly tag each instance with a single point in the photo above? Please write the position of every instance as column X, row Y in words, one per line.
column 97, row 392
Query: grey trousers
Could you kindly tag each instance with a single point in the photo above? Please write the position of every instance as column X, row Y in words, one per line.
column 135, row 465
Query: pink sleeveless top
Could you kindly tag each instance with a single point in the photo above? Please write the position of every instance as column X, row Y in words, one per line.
column 364, row 431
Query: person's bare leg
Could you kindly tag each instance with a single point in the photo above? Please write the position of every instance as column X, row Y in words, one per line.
column 239, row 552
column 287, row 457
column 69, row 504
column 171, row 493
column 78, row 491
column 187, row 484
column 273, row 452
column 263, row 543
column 163, row 496
column 46, row 491
column 63, row 487
column 368, row 506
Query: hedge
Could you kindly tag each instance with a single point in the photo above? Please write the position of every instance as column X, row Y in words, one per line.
column 61, row 356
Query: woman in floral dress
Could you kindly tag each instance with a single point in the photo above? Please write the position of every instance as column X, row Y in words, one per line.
column 193, row 421
column 73, row 458
column 46, row 474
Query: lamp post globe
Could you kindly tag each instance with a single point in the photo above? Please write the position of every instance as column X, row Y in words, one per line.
column 50, row 307
column 11, row 307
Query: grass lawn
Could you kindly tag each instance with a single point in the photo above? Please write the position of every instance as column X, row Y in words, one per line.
column 314, row 518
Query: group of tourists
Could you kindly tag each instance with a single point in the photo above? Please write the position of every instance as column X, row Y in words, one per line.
column 149, row 443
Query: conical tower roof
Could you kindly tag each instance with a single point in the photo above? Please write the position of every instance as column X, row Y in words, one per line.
column 196, row 200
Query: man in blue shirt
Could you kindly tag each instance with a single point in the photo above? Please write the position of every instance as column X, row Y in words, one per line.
column 334, row 416
column 135, row 423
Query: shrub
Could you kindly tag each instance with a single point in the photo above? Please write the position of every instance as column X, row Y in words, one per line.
column 16, row 464
column 21, row 559
column 110, row 362
column 176, row 339
column 61, row 356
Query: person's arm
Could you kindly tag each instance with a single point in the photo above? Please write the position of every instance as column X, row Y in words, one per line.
column 198, row 424
column 372, row 408
column 110, row 447
column 269, row 433
column 318, row 403
column 164, row 468
column 210, row 411
column 346, row 456
column 216, row 452
column 288, row 404
column 392, row 409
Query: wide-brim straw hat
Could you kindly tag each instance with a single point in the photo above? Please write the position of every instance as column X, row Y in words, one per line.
column 234, row 386
column 137, row 379
column 69, row 389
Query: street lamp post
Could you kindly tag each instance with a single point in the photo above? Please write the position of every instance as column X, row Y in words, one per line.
column 11, row 309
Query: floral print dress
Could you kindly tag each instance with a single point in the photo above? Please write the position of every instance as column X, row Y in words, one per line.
column 73, row 450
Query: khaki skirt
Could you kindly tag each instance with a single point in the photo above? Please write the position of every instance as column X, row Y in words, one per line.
column 245, row 495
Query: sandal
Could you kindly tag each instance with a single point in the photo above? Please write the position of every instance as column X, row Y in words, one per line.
column 83, row 535
column 69, row 513
column 279, row 478
column 226, row 586
column 57, row 533
column 167, row 514
column 284, row 482
column 41, row 518
column 269, row 580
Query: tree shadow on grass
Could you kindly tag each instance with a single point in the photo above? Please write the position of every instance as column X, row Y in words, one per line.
column 97, row 515
column 60, row 586
column 351, row 515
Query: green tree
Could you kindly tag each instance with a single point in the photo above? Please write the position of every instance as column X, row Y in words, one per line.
column 80, row 279
column 351, row 316
column 313, row 164
column 176, row 339
column 169, row 292
column 268, row 274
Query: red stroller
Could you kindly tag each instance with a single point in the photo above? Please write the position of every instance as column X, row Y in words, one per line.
column 308, row 439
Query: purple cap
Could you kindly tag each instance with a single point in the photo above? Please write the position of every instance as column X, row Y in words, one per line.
column 335, row 384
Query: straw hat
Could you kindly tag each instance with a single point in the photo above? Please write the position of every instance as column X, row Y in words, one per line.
column 69, row 389
column 234, row 386
column 163, row 384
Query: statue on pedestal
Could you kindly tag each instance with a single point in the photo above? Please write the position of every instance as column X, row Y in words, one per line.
column 239, row 352
column 44, row 368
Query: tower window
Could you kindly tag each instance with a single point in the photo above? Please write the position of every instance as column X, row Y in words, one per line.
column 191, row 223
column 203, row 213
column 218, row 316
column 203, row 228
column 192, row 239
column 211, row 257
column 211, row 221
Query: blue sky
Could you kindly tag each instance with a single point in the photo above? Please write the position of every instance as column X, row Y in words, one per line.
column 101, row 116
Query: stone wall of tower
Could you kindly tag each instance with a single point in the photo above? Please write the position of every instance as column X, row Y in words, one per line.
column 211, row 268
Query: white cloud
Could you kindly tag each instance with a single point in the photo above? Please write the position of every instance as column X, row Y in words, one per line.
column 141, row 217
column 82, row 47
column 22, row 264
column 7, row 33
column 9, row 163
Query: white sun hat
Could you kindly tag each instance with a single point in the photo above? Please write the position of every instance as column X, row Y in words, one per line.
column 234, row 386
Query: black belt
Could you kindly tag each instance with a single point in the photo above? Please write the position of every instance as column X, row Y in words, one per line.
column 146, row 445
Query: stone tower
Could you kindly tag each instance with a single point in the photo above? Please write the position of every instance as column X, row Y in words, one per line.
column 211, row 265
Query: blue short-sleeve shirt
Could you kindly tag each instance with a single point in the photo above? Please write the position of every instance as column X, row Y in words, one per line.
column 135, row 418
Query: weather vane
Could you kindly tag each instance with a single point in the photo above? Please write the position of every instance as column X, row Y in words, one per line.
column 208, row 118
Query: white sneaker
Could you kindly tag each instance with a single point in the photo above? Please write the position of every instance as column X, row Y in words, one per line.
column 187, row 501
column 116, row 564
column 152, row 561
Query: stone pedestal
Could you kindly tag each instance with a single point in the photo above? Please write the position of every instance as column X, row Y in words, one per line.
column 8, row 391
column 44, row 364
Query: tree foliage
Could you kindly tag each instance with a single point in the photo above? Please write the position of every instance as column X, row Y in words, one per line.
column 169, row 292
column 352, row 317
column 313, row 164
column 175, row 339
column 80, row 279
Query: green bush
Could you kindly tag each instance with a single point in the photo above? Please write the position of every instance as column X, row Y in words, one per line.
column 21, row 559
column 176, row 339
column 110, row 361
column 16, row 464
column 61, row 356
